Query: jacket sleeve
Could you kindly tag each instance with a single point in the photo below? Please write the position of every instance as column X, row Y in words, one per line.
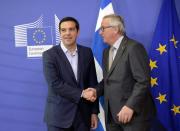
column 138, row 60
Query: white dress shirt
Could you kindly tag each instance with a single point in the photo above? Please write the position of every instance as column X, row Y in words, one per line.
column 72, row 58
column 116, row 46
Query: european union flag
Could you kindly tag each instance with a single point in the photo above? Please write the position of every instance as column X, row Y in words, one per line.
column 39, row 36
column 165, row 67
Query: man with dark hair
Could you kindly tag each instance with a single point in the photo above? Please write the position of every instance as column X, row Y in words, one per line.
column 69, row 68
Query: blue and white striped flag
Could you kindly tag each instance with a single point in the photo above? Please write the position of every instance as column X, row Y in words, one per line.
column 98, row 47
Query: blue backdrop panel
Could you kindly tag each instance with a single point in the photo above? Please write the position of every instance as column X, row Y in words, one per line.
column 22, row 86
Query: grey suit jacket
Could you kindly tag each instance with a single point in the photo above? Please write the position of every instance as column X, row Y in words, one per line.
column 127, row 82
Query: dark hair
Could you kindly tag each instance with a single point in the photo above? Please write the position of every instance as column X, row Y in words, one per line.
column 69, row 19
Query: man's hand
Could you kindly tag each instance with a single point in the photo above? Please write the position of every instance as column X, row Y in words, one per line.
column 125, row 115
column 89, row 94
column 94, row 121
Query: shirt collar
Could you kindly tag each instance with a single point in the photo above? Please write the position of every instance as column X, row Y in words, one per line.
column 118, row 42
column 65, row 50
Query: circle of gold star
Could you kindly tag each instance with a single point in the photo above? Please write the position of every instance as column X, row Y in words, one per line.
column 161, row 49
column 41, row 32
column 176, row 109
column 174, row 41
column 152, row 64
column 153, row 81
column 161, row 98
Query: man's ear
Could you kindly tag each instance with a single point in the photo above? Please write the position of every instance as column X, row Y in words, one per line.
column 116, row 29
column 78, row 32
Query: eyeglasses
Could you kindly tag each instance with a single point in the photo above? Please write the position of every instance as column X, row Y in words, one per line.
column 103, row 28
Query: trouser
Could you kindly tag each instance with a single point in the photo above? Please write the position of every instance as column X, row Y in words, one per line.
column 77, row 125
column 131, row 126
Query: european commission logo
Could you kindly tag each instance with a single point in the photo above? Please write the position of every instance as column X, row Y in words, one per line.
column 35, row 37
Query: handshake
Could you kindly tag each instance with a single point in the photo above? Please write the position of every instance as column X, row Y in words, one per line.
column 89, row 94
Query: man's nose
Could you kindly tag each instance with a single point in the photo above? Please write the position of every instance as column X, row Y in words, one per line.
column 68, row 31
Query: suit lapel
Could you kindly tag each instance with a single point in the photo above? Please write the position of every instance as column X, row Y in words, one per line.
column 67, row 64
column 118, row 55
column 106, row 60
column 80, row 63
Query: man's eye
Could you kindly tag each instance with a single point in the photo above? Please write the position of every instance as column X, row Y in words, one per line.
column 63, row 30
column 72, row 29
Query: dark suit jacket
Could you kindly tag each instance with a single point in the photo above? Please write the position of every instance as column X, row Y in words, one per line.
column 64, row 90
column 127, row 81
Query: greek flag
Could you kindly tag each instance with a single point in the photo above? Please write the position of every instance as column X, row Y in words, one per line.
column 98, row 47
